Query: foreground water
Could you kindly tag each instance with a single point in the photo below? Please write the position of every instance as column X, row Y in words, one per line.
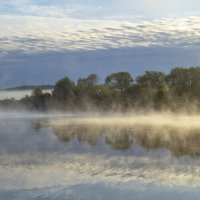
column 65, row 157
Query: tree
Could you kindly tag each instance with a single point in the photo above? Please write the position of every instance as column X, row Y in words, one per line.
column 151, row 79
column 180, row 81
column 121, row 80
column 39, row 99
column 63, row 89
column 90, row 81
column 195, row 82
column 153, row 90
column 36, row 92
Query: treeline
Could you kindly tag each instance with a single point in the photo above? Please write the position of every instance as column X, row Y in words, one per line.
column 30, row 87
column 178, row 90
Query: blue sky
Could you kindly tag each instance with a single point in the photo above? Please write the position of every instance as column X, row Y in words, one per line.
column 90, row 37
column 95, row 9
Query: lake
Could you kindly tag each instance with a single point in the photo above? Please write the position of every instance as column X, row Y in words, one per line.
column 16, row 94
column 60, row 156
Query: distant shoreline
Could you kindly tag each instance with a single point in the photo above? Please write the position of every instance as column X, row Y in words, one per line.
column 28, row 87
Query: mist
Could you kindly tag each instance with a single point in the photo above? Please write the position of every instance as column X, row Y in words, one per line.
column 134, row 119
column 54, row 151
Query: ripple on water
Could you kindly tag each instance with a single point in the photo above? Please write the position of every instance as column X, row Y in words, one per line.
column 63, row 156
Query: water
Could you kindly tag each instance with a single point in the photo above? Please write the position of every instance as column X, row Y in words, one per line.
column 65, row 157
column 16, row 94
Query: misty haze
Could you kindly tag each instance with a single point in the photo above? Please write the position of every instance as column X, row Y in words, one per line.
column 99, row 100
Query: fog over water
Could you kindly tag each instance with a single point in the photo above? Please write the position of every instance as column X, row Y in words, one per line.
column 155, row 119
column 18, row 94
column 99, row 156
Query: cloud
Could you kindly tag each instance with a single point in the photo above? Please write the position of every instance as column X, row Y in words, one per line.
column 35, row 30
column 156, row 8
column 58, row 9
column 42, row 34
column 100, row 9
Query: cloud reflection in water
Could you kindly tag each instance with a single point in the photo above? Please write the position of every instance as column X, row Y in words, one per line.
column 70, row 156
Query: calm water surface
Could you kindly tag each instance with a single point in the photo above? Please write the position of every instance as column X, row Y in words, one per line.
column 44, row 160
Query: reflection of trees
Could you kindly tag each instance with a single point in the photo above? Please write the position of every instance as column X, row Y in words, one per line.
column 39, row 124
column 63, row 134
column 179, row 142
column 122, row 141
column 186, row 145
column 91, row 134
column 82, row 133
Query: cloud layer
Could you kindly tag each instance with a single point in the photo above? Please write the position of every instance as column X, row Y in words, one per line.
column 100, row 9
column 40, row 34
column 69, row 36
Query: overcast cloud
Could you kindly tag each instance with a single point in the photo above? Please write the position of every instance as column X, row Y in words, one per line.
column 34, row 29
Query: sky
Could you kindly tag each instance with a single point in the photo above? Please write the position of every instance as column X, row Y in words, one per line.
column 44, row 40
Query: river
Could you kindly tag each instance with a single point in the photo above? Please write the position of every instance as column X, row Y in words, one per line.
column 49, row 156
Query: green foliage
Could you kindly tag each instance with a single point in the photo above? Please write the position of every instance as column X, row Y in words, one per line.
column 37, row 100
column 36, row 92
column 88, row 82
column 185, row 82
column 151, row 79
column 9, row 103
column 152, row 90
column 63, row 89
column 119, row 80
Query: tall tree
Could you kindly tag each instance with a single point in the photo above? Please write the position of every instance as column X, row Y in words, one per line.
column 121, row 80
column 90, row 81
column 63, row 89
column 180, row 81
column 151, row 79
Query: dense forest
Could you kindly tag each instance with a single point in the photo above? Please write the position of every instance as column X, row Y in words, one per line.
column 178, row 90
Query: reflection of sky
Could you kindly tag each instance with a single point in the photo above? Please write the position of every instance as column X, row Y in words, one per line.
column 34, row 163
column 103, row 191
